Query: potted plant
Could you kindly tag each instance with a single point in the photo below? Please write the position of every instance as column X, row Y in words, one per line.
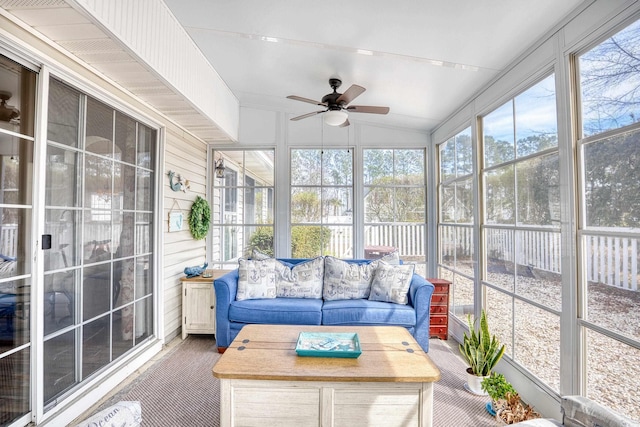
column 497, row 387
column 512, row 409
column 481, row 351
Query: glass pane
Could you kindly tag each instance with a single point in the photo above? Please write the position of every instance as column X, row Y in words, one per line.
column 143, row 280
column 64, row 111
column 124, row 186
column 305, row 167
column 340, row 241
column 15, row 312
column 337, row 167
column 146, row 147
column 610, row 369
column 64, row 181
column 16, row 157
column 410, row 205
column 305, row 205
column 464, row 201
column 447, row 245
column 14, row 250
column 96, row 291
column 97, row 236
column 122, row 342
column 462, row 300
column 537, row 342
column 612, row 181
column 500, row 258
column 337, row 205
column 309, row 241
column 60, row 297
column 124, row 229
column 464, row 153
column 378, row 204
column 144, row 233
column 464, row 251
column 260, row 166
column 447, row 152
column 125, row 148
column 498, row 130
column 500, row 196
column 613, row 294
column 538, row 189
column 123, row 273
column 18, row 87
column 14, row 385
column 99, row 132
column 536, row 118
column 500, row 317
column 143, row 324
column 378, row 166
column 97, row 180
column 63, row 226
column 59, row 365
column 609, row 80
column 260, row 238
column 538, row 275
column 95, row 345
column 409, row 167
column 448, row 202
column 258, row 210
column 144, row 190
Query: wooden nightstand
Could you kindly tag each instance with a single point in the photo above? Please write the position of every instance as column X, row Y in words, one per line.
column 439, row 313
column 198, row 304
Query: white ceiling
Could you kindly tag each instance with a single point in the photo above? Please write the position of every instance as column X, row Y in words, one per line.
column 422, row 58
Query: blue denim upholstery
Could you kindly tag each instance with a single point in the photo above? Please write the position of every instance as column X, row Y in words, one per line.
column 232, row 315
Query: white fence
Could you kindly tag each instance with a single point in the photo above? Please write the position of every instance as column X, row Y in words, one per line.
column 409, row 239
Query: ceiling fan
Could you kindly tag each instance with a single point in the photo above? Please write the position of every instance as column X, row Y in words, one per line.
column 337, row 106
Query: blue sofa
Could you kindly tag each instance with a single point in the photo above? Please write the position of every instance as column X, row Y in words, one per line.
column 232, row 315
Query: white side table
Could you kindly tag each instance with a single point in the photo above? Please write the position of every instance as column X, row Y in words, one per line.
column 198, row 304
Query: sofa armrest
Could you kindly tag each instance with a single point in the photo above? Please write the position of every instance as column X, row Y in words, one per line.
column 225, row 288
column 420, row 292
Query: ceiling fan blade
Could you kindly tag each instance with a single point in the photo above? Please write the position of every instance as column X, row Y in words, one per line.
column 304, row 116
column 367, row 109
column 345, row 124
column 310, row 101
column 350, row 94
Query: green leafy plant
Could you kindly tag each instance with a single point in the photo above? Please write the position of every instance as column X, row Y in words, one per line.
column 199, row 218
column 481, row 350
column 497, row 386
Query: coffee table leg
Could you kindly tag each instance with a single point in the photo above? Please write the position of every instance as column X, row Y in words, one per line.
column 427, row 405
column 225, row 403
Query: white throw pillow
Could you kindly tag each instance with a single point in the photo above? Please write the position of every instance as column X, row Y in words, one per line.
column 257, row 279
column 392, row 258
column 303, row 280
column 343, row 280
column 391, row 283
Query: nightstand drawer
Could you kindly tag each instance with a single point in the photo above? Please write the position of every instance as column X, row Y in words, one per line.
column 438, row 331
column 441, row 289
column 439, row 309
column 438, row 321
column 439, row 299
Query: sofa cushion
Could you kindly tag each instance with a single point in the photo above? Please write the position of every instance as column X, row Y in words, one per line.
column 391, row 283
column 256, row 279
column 281, row 311
column 343, row 280
column 365, row 312
column 303, row 280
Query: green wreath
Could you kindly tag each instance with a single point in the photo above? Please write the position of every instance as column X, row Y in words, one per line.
column 199, row 218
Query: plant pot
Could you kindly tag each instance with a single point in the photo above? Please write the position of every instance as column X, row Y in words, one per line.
column 474, row 383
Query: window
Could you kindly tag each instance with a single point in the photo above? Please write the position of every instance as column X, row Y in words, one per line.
column 395, row 204
column 242, row 208
column 455, row 227
column 521, row 233
column 99, row 203
column 321, row 203
column 609, row 155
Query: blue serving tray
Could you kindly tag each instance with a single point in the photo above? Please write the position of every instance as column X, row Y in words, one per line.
column 328, row 344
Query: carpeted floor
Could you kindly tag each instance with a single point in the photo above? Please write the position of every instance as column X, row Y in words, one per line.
column 180, row 390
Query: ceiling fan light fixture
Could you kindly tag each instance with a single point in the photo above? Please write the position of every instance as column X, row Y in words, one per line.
column 335, row 117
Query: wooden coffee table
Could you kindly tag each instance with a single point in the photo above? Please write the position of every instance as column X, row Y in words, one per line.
column 264, row 382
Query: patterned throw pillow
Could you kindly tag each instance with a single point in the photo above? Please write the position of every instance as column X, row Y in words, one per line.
column 257, row 255
column 303, row 280
column 343, row 280
column 257, row 279
column 391, row 283
column 392, row 258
